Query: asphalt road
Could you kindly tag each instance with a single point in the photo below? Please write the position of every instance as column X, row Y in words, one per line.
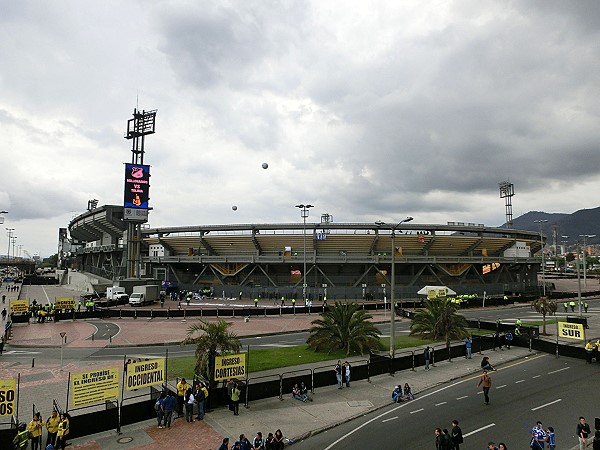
column 554, row 391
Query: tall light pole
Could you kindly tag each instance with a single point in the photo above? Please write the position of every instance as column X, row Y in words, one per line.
column 585, row 236
column 2, row 218
column 392, row 287
column 578, row 280
column 565, row 250
column 304, row 212
column 9, row 234
column 540, row 222
column 13, row 239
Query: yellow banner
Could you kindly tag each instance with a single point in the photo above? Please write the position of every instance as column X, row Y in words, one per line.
column 64, row 303
column 570, row 330
column 94, row 387
column 230, row 366
column 19, row 306
column 8, row 396
column 145, row 373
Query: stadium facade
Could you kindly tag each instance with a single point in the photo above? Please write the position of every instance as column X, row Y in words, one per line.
column 343, row 260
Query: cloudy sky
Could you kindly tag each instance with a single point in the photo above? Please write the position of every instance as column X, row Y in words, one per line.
column 369, row 110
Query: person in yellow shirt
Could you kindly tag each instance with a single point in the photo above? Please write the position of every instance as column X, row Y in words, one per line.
column 182, row 387
column 62, row 432
column 35, row 430
column 52, row 427
column 589, row 351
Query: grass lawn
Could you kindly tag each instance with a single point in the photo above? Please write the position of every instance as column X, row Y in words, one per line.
column 273, row 358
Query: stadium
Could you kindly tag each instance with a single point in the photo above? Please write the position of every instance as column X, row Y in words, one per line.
column 342, row 260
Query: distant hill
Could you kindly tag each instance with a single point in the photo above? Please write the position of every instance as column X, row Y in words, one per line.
column 584, row 221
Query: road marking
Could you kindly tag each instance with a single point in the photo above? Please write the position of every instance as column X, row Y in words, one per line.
column 479, row 429
column 480, row 392
column 460, row 398
column 519, row 381
column 547, row 404
column 536, row 376
column 500, row 387
column 391, row 418
column 559, row 370
column 417, row 410
column 438, row 404
column 421, row 397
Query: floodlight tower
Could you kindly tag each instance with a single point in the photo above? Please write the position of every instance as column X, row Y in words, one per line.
column 507, row 190
column 137, row 184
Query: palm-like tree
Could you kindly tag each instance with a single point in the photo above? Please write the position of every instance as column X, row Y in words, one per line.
column 344, row 326
column 439, row 320
column 214, row 339
column 544, row 306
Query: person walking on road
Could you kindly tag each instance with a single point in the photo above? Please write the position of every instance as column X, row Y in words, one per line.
column 486, row 382
column 583, row 430
column 468, row 347
column 427, row 356
column 456, row 435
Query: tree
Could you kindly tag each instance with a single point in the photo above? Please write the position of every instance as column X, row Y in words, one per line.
column 215, row 339
column 544, row 305
column 439, row 320
column 344, row 326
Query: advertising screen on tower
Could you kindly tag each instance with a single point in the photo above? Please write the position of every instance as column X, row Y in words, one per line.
column 137, row 186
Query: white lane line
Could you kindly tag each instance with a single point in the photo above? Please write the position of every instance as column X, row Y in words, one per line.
column 479, row 392
column 536, row 376
column 479, row 429
column 559, row 370
column 519, row 381
column 547, row 404
column 460, row 398
column 417, row 410
column 391, row 418
column 438, row 404
column 500, row 387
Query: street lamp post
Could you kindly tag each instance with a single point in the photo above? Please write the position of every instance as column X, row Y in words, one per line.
column 565, row 251
column 392, row 286
column 540, row 222
column 304, row 212
column 585, row 236
column 2, row 218
column 9, row 234
column 578, row 281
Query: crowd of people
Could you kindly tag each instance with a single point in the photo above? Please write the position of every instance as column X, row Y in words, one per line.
column 273, row 441
column 57, row 426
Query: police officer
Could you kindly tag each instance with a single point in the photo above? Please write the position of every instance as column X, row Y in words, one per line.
column 21, row 440
column 566, row 306
column 255, row 302
column 585, row 306
column 572, row 305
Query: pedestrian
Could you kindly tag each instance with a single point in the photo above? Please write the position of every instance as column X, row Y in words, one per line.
column 235, row 398
column 200, row 396
column 278, row 440
column 427, row 356
column 52, row 427
column 159, row 407
column 439, row 443
column 347, row 373
column 486, row 382
column 4, row 313
column 447, row 440
column 585, row 306
column 468, row 345
column 35, row 431
column 497, row 340
column 182, row 388
column 21, row 439
column 456, row 435
column 244, row 443
column 551, row 438
column 338, row 373
column 538, row 436
column 63, row 431
column 229, row 386
column 589, row 351
column 259, row 442
column 169, row 405
column 508, row 338
column 224, row 445
column 270, row 442
column 583, row 430
column 572, row 305
column 566, row 306
column 492, row 446
column 502, row 446
column 486, row 365
column 189, row 405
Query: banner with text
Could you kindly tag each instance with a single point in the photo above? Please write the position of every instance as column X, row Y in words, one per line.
column 64, row 303
column 94, row 387
column 8, row 396
column 19, row 306
column 571, row 330
column 230, row 366
column 145, row 373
